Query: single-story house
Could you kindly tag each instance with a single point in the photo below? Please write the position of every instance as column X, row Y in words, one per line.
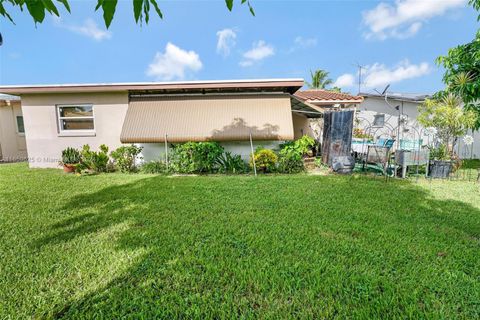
column 12, row 130
column 379, row 116
column 151, row 114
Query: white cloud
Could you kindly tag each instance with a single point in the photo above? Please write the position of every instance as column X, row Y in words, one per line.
column 345, row 81
column 302, row 43
column 305, row 42
column 379, row 75
column 225, row 41
column 174, row 63
column 260, row 50
column 404, row 18
column 14, row 55
column 89, row 29
column 246, row 63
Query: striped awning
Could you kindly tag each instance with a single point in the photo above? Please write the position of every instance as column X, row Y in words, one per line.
column 229, row 117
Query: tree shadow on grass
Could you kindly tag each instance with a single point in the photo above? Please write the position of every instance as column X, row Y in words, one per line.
column 279, row 247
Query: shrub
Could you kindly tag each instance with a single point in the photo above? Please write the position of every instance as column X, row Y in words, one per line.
column 290, row 160
column 292, row 153
column 124, row 157
column 449, row 120
column 228, row 163
column 71, row 156
column 94, row 161
column 196, row 157
column 304, row 144
column 265, row 160
column 155, row 167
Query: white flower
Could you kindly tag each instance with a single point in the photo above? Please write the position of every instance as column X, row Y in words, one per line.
column 430, row 131
column 468, row 140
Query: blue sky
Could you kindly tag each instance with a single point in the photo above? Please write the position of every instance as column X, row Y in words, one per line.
column 397, row 41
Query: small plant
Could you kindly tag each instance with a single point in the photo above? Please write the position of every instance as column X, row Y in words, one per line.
column 154, row 167
column 94, row 161
column 304, row 144
column 360, row 134
column 440, row 153
column 228, row 163
column 322, row 166
column 70, row 159
column 124, row 157
column 70, row 156
column 265, row 160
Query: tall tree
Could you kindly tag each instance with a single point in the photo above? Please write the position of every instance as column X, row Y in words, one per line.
column 141, row 8
column 319, row 79
column 462, row 71
column 462, row 74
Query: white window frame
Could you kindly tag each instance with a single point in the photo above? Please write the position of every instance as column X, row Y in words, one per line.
column 67, row 132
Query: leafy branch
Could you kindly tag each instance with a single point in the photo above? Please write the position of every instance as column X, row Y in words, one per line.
column 141, row 9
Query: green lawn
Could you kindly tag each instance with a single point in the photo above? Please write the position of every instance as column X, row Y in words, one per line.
column 118, row 245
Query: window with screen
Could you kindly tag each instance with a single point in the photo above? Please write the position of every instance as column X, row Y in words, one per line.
column 75, row 118
column 379, row 120
column 20, row 125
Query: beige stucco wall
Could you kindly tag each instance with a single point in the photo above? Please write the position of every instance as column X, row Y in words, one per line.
column 12, row 143
column 301, row 126
column 45, row 144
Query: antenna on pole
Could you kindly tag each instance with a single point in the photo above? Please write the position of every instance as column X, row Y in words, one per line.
column 385, row 90
column 360, row 68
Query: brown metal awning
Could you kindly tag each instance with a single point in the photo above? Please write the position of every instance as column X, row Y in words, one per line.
column 207, row 118
column 305, row 108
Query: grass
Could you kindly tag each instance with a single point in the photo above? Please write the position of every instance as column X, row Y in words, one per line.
column 120, row 245
column 471, row 164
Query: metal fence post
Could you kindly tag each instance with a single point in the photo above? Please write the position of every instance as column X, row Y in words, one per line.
column 253, row 155
column 166, row 151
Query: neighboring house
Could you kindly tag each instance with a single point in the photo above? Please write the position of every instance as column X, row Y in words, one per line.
column 324, row 100
column 12, row 131
column 327, row 99
column 380, row 115
column 150, row 114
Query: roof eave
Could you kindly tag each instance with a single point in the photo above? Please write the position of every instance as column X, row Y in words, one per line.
column 287, row 85
column 330, row 102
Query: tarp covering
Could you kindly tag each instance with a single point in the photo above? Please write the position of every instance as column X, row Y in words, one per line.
column 208, row 118
column 337, row 135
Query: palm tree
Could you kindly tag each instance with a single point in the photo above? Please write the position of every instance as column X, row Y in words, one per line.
column 320, row 79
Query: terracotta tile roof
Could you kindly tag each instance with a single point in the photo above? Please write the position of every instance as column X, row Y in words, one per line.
column 321, row 95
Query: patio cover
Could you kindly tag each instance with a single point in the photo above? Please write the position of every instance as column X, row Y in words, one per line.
column 305, row 108
column 228, row 117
